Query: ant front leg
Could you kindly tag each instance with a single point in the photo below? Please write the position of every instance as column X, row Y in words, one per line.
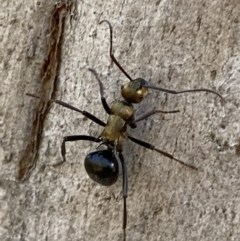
column 154, row 112
column 103, row 99
column 124, row 193
column 151, row 147
column 75, row 138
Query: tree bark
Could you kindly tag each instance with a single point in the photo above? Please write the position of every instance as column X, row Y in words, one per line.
column 47, row 49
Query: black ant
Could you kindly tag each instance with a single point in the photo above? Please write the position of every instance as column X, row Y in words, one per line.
column 102, row 165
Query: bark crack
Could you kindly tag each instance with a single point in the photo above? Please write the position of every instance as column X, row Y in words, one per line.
column 50, row 70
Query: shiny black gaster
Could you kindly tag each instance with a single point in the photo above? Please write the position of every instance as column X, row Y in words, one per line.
column 102, row 167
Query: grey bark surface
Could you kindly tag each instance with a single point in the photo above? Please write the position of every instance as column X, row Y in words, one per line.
column 172, row 44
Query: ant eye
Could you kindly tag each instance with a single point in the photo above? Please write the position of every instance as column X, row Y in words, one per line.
column 122, row 86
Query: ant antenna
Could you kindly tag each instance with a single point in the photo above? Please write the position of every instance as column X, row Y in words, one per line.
column 182, row 91
column 111, row 51
column 146, row 85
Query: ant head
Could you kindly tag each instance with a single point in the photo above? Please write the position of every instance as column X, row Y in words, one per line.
column 102, row 167
column 134, row 91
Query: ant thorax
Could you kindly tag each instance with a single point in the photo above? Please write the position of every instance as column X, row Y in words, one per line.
column 115, row 129
column 123, row 109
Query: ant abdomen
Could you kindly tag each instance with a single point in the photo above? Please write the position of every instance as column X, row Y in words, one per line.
column 102, row 167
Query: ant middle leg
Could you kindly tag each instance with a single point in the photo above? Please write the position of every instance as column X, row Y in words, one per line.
column 151, row 147
column 83, row 112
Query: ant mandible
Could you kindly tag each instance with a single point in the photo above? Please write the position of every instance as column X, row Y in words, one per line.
column 102, row 165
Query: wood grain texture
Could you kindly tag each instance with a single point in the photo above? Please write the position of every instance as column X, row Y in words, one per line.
column 173, row 44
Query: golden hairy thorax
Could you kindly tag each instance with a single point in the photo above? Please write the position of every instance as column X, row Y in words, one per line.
column 122, row 113
column 123, row 109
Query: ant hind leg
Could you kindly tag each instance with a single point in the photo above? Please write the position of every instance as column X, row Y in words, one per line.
column 75, row 138
column 124, row 193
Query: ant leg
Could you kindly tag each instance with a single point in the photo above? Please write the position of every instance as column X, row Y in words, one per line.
column 124, row 193
column 111, row 51
column 75, row 138
column 152, row 113
column 151, row 147
column 103, row 99
column 83, row 112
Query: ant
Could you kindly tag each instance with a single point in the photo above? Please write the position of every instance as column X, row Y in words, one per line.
column 102, row 165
